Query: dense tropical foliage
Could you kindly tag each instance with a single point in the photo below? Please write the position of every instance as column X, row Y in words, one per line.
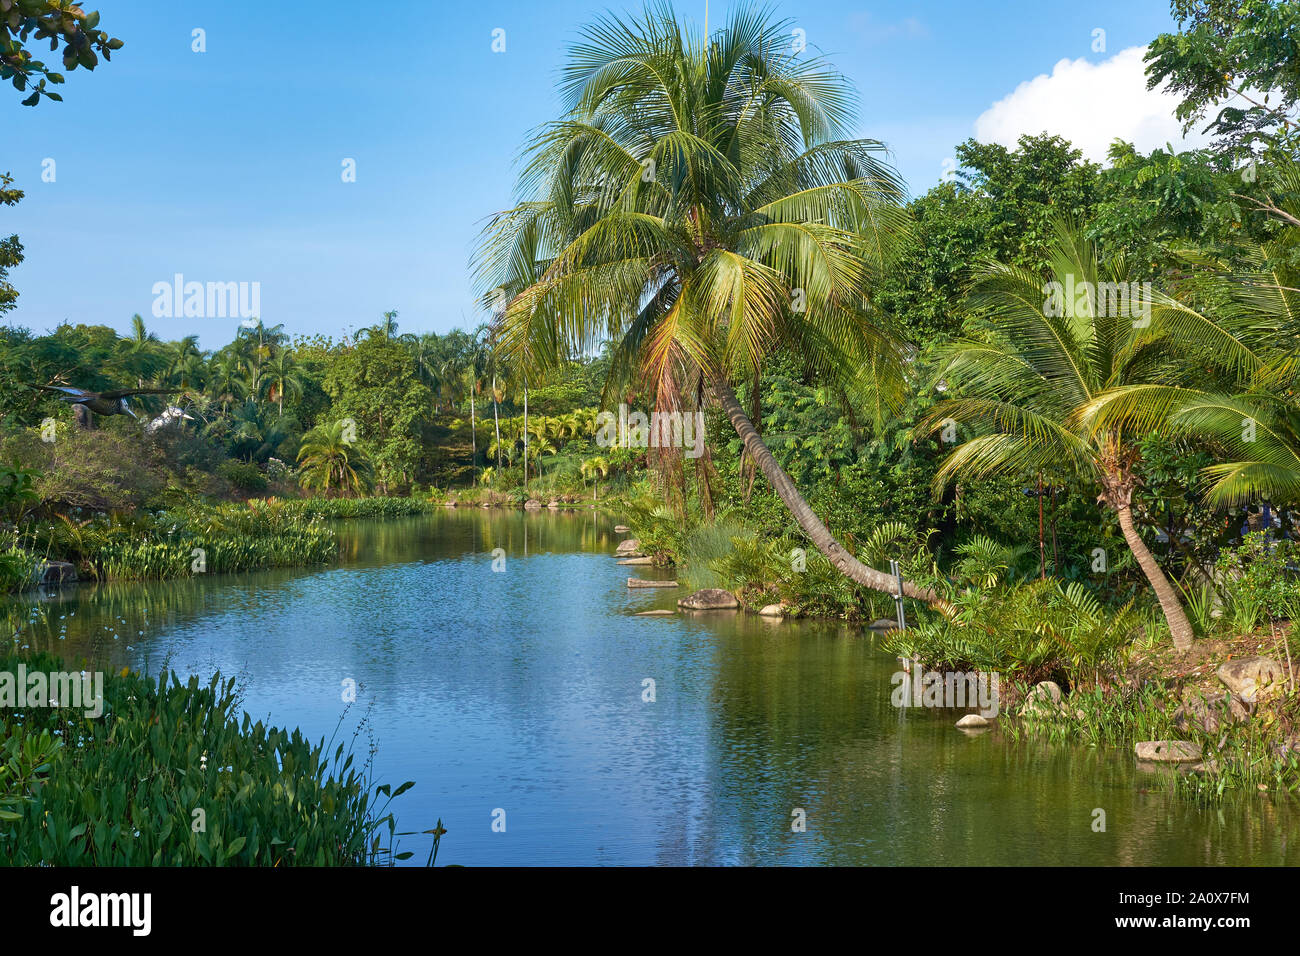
column 1063, row 395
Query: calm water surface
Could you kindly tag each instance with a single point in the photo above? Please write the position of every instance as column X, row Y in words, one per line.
column 522, row 690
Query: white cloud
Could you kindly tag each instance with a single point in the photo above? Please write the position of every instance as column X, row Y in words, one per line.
column 1091, row 105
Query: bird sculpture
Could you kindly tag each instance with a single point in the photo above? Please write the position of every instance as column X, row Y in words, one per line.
column 112, row 402
column 173, row 415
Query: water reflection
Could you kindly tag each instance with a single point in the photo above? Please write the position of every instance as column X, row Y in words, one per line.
column 521, row 690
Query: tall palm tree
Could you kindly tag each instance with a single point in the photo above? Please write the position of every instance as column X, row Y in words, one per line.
column 1028, row 383
column 427, row 352
column 142, row 354
column 256, row 345
column 285, row 376
column 477, row 353
column 181, row 353
column 387, row 326
column 701, row 204
column 187, row 368
column 226, row 381
column 498, row 371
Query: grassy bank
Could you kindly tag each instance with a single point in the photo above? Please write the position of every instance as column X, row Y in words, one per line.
column 199, row 539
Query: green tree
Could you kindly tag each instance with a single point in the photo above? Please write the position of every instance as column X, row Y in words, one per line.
column 1238, row 391
column 226, row 381
column 285, row 376
column 11, row 250
column 55, row 21
column 1248, row 49
column 374, row 384
column 595, row 469
column 701, row 203
column 387, row 326
column 1042, row 357
column 143, row 356
column 330, row 462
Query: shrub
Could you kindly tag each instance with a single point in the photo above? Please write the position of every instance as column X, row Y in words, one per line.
column 110, row 468
column 17, row 568
column 1259, row 582
column 1030, row 631
column 244, row 476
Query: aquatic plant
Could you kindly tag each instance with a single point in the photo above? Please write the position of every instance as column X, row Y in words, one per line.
column 173, row 774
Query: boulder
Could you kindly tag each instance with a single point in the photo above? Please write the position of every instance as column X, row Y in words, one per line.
column 1168, row 751
column 621, row 529
column 1252, row 677
column 1047, row 690
column 971, row 721
column 51, row 573
column 773, row 610
column 631, row 544
column 883, row 624
column 1043, row 698
column 532, row 504
column 640, row 560
column 1205, row 713
column 710, row 599
column 642, row 583
column 659, row 613
column 553, row 505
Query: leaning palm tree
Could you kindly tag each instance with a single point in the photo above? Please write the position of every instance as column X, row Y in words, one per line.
column 1044, row 356
column 700, row 205
column 1248, row 407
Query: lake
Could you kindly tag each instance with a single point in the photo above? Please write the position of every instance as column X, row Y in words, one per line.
column 521, row 690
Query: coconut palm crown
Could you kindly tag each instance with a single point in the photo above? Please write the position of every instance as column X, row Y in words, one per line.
column 702, row 202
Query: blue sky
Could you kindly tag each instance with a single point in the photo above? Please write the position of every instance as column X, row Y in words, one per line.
column 225, row 166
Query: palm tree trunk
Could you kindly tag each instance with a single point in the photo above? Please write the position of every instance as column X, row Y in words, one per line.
column 496, row 420
column 473, row 433
column 1180, row 628
column 820, row 535
column 525, row 434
